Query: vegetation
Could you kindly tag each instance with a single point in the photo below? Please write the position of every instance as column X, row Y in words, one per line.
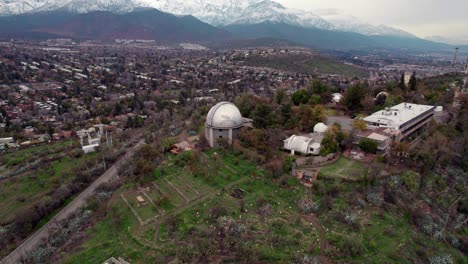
column 308, row 64
column 368, row 145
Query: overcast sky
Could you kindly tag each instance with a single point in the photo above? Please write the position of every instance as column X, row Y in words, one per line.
column 447, row 18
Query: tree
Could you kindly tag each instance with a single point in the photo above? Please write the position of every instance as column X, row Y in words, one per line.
column 402, row 84
column 359, row 124
column 413, row 82
column 280, row 95
column 353, row 97
column 329, row 144
column 315, row 99
column 368, row 145
column 262, row 116
column 286, row 116
column 305, row 116
column 317, row 88
column 300, row 97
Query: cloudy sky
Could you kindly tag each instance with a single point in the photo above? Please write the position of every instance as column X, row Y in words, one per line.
column 424, row 18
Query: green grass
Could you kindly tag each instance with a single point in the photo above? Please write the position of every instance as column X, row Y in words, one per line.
column 22, row 156
column 343, row 167
column 383, row 237
column 170, row 193
column 110, row 238
column 308, row 64
column 19, row 192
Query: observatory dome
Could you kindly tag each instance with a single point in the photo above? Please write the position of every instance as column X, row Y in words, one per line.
column 224, row 115
column 320, row 128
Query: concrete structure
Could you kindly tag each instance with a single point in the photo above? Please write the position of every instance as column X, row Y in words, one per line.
column 406, row 121
column 93, row 136
column 307, row 144
column 383, row 137
column 223, row 123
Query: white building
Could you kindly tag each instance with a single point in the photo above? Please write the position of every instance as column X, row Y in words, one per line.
column 336, row 98
column 307, row 144
column 406, row 120
column 223, row 122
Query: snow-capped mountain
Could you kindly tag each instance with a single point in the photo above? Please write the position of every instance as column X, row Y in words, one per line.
column 214, row 12
column 231, row 12
column 86, row 6
column 349, row 23
column 14, row 7
column 270, row 11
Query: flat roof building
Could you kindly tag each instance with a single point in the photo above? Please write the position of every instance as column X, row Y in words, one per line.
column 406, row 120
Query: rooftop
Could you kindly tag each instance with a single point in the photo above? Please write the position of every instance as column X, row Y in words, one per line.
column 398, row 115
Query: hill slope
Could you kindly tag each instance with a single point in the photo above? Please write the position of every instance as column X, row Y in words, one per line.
column 326, row 39
column 141, row 24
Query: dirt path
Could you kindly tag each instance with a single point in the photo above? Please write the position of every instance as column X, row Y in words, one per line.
column 321, row 231
column 43, row 233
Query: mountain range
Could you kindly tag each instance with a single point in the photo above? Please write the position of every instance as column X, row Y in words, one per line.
column 214, row 12
column 198, row 20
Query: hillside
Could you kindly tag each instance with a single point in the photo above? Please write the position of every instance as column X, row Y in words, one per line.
column 326, row 40
column 306, row 64
column 141, row 24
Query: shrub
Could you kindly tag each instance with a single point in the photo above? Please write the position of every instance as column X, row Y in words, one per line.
column 411, row 180
column 307, row 206
column 39, row 255
column 447, row 259
column 374, row 198
column 350, row 218
column 368, row 145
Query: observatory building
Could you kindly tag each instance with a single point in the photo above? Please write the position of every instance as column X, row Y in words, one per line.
column 223, row 123
column 310, row 144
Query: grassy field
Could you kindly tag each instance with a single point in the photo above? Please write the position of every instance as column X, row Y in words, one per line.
column 275, row 237
column 268, row 213
column 376, row 235
column 344, row 167
column 23, row 156
column 19, row 192
column 309, row 64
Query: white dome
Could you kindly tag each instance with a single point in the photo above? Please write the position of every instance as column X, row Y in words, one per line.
column 336, row 97
column 320, row 128
column 224, row 115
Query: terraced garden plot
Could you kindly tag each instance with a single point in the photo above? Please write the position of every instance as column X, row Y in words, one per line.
column 175, row 198
column 183, row 187
column 195, row 183
column 154, row 194
column 144, row 210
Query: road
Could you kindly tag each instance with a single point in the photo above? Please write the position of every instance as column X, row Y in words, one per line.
column 43, row 233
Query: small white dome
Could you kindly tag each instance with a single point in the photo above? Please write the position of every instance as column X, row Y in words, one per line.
column 336, row 97
column 320, row 128
column 224, row 115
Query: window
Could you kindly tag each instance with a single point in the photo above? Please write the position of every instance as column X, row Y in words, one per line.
column 311, row 149
column 220, row 136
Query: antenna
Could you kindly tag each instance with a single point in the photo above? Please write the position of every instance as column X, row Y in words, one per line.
column 455, row 57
